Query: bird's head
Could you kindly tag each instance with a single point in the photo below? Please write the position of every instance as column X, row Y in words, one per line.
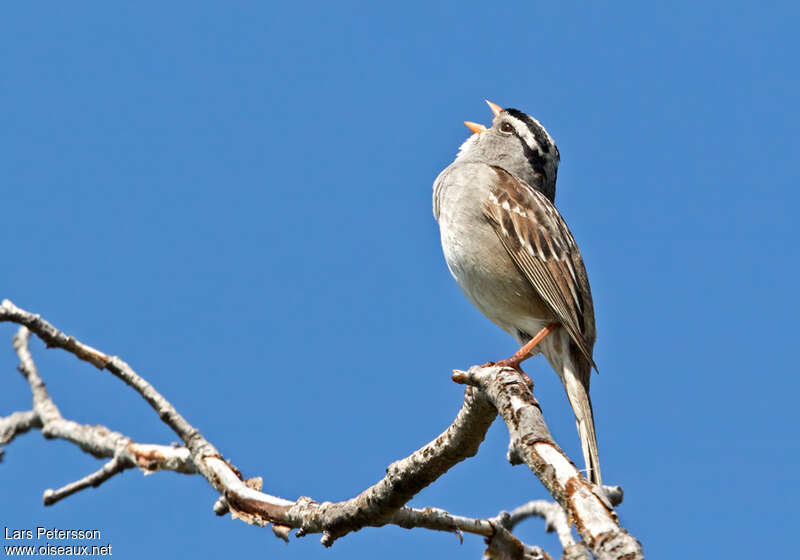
column 517, row 143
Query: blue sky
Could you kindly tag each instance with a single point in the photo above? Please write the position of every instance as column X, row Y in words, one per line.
column 236, row 200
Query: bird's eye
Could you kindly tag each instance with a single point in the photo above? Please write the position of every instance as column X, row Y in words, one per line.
column 506, row 127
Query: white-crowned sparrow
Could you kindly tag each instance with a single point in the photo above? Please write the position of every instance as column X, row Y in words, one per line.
column 514, row 257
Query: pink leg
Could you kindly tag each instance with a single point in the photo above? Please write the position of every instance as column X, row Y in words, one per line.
column 525, row 352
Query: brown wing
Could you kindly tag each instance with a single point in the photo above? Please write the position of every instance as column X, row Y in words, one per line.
column 541, row 245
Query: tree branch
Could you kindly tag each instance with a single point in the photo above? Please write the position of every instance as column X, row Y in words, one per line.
column 16, row 424
column 114, row 466
column 554, row 518
column 98, row 441
column 375, row 506
column 530, row 442
column 403, row 479
column 493, row 389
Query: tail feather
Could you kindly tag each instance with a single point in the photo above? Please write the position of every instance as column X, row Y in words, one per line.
column 575, row 372
column 578, row 395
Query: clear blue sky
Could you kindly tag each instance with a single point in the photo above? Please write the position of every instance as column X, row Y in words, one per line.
column 235, row 198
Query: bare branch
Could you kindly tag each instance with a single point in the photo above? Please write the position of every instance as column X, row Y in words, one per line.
column 505, row 546
column 376, row 505
column 98, row 441
column 407, row 477
column 439, row 520
column 493, row 389
column 43, row 405
column 151, row 458
column 555, row 520
column 114, row 466
column 373, row 507
column 16, row 424
column 51, row 336
column 530, row 443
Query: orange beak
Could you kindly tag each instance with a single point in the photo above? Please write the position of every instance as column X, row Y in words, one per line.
column 478, row 128
column 475, row 127
column 496, row 109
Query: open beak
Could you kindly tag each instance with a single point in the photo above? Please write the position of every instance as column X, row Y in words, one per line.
column 478, row 128
column 496, row 109
column 475, row 127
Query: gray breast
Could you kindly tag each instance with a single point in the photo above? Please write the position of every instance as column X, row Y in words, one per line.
column 474, row 254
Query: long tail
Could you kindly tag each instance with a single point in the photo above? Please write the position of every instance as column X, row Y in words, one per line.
column 576, row 383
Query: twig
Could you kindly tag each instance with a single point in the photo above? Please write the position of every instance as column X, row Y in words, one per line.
column 17, row 424
column 98, row 441
column 114, row 466
column 554, row 518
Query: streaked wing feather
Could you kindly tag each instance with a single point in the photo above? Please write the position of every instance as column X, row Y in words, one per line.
column 539, row 242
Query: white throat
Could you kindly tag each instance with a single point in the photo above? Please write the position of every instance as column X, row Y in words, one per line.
column 465, row 148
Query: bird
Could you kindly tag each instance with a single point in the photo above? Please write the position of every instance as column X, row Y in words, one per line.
column 514, row 257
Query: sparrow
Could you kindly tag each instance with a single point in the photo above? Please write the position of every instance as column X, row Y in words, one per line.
column 514, row 257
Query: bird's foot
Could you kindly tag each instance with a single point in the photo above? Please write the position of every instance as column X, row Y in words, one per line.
column 528, row 381
column 512, row 362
